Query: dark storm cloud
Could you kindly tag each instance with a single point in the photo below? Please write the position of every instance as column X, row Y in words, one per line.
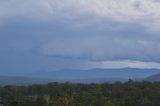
column 44, row 34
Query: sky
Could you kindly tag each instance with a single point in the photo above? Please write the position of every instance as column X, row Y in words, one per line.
column 79, row 34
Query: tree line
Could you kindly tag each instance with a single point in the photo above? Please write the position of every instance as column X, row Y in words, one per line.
column 71, row 94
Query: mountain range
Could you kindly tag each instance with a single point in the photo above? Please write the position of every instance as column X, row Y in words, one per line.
column 83, row 76
column 153, row 78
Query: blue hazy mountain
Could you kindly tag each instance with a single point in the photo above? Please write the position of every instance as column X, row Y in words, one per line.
column 70, row 74
column 153, row 78
column 83, row 76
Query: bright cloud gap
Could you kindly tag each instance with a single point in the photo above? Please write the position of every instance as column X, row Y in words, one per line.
column 128, row 64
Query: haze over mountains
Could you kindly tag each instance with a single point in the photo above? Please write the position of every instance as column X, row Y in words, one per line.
column 83, row 76
column 97, row 73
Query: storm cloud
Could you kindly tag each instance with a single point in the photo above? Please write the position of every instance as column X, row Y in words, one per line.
column 52, row 34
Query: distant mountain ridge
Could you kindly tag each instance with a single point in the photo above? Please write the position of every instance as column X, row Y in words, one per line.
column 153, row 78
column 71, row 74
column 83, row 76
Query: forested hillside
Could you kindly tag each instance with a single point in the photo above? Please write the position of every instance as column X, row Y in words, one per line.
column 68, row 94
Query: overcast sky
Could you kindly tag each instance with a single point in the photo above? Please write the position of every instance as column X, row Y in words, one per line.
column 79, row 34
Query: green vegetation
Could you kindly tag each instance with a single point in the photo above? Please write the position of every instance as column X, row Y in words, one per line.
column 68, row 94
